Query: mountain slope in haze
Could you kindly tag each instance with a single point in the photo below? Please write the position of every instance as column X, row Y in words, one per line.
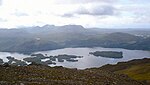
column 121, row 37
column 49, row 37
column 140, row 45
column 117, row 39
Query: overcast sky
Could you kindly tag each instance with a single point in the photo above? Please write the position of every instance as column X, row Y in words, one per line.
column 89, row 13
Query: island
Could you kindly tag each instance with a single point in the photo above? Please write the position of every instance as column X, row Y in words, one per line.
column 1, row 61
column 42, row 59
column 37, row 58
column 69, row 58
column 107, row 54
column 16, row 62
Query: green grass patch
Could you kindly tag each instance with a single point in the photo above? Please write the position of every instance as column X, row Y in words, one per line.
column 138, row 72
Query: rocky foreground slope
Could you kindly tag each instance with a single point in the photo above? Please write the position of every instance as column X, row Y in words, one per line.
column 44, row 75
column 138, row 69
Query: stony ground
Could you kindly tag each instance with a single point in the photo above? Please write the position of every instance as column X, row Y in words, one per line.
column 138, row 69
column 44, row 75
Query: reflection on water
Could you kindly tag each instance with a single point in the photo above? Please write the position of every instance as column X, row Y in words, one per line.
column 88, row 60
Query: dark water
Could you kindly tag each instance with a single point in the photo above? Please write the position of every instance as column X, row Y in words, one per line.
column 88, row 60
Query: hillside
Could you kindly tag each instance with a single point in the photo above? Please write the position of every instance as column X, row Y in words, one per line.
column 43, row 75
column 140, row 45
column 138, row 69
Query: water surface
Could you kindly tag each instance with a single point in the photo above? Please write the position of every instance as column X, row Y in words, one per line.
column 88, row 60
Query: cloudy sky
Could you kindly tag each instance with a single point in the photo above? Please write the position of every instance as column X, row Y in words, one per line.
column 89, row 13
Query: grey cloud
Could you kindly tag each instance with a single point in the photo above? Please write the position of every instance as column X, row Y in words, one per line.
column 20, row 14
column 82, row 1
column 95, row 11
column 103, row 10
column 82, row 10
column 67, row 15
column 89, row 1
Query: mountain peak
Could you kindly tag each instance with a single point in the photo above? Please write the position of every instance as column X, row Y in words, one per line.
column 73, row 26
column 48, row 26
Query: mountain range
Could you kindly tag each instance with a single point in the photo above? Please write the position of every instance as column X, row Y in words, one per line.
column 50, row 37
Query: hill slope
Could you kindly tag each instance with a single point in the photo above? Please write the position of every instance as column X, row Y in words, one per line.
column 138, row 69
column 43, row 75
